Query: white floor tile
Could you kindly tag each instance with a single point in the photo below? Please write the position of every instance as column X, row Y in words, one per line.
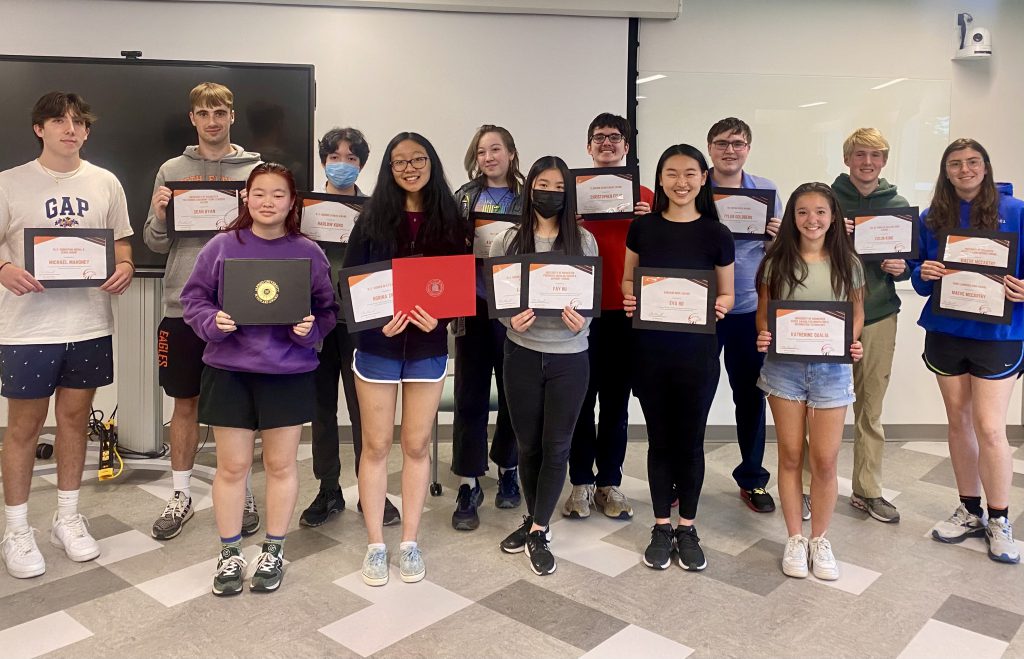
column 202, row 492
column 398, row 610
column 635, row 641
column 853, row 579
column 125, row 545
column 351, row 494
column 940, row 449
column 580, row 541
column 42, row 635
column 938, row 640
column 636, row 489
column 305, row 452
column 190, row 582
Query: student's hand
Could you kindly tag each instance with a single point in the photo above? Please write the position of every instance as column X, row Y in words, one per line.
column 856, row 351
column 1014, row 288
column 932, row 270
column 522, row 321
column 224, row 323
column 894, row 267
column 243, row 194
column 849, row 225
column 629, row 304
column 119, row 281
column 764, row 339
column 641, row 208
column 772, row 228
column 720, row 310
column 396, row 325
column 422, row 319
column 305, row 327
column 19, row 281
column 161, row 198
column 573, row 320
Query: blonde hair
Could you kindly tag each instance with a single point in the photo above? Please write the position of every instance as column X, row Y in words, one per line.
column 869, row 137
column 210, row 95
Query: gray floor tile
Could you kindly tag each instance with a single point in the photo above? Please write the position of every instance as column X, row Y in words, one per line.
column 58, row 595
column 980, row 618
column 755, row 570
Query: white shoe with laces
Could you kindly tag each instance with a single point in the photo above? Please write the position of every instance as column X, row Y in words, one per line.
column 823, row 563
column 21, row 554
column 794, row 559
column 71, row 533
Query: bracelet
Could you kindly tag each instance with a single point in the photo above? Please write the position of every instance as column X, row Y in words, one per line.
column 130, row 265
column 5, row 264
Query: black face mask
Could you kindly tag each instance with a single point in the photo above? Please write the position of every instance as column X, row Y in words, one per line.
column 548, row 203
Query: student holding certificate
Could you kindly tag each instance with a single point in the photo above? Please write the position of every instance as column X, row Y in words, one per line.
column 546, row 366
column 412, row 212
column 811, row 260
column 976, row 363
column 675, row 374
column 257, row 377
column 55, row 340
column 179, row 350
column 495, row 187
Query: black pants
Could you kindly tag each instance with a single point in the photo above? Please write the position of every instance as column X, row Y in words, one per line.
column 544, row 393
column 609, row 383
column 675, row 388
column 737, row 335
column 335, row 360
column 477, row 354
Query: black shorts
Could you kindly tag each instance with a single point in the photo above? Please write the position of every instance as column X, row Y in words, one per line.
column 35, row 371
column 945, row 354
column 256, row 401
column 179, row 358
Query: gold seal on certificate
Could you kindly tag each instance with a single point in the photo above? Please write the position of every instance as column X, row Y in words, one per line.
column 811, row 331
column 266, row 291
column 367, row 294
column 745, row 211
column 486, row 228
column 503, row 277
column 607, row 193
column 69, row 258
column 202, row 207
column 553, row 282
column 329, row 218
column 886, row 233
column 675, row 300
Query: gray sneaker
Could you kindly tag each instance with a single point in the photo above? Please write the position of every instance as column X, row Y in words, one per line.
column 410, row 564
column 877, row 507
column 613, row 502
column 579, row 502
column 805, row 508
column 960, row 526
column 177, row 511
column 250, row 516
column 999, row 535
column 375, row 566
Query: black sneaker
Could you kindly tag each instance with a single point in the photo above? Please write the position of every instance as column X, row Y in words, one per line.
column 269, row 569
column 515, row 542
column 542, row 561
column 391, row 514
column 508, row 495
column 758, row 500
column 468, row 500
column 230, row 572
column 327, row 502
column 691, row 556
column 659, row 552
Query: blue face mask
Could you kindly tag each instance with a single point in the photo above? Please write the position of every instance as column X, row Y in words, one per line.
column 341, row 174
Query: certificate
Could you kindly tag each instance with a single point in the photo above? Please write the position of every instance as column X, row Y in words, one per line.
column 811, row 331
column 69, row 258
column 972, row 296
column 607, row 193
column 745, row 211
column 329, row 218
column 503, row 276
column 553, row 282
column 886, row 233
column 486, row 228
column 202, row 207
column 977, row 250
column 443, row 286
column 367, row 295
column 675, row 300
column 267, row 291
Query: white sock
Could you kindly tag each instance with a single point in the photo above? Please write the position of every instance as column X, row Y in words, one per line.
column 17, row 517
column 67, row 503
column 408, row 544
column 181, row 482
column 248, row 483
column 471, row 481
column 376, row 545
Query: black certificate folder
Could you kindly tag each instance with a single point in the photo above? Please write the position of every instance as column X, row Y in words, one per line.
column 267, row 291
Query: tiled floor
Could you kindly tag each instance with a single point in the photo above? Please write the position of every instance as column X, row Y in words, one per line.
column 900, row 594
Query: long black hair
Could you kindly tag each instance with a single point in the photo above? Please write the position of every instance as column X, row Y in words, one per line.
column 705, row 200
column 383, row 217
column 568, row 240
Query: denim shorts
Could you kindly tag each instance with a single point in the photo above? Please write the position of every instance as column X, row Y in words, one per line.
column 374, row 368
column 816, row 384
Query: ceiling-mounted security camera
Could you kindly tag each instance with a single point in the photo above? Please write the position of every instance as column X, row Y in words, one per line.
column 972, row 42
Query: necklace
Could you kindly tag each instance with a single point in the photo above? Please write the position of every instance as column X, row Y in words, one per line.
column 499, row 203
column 60, row 176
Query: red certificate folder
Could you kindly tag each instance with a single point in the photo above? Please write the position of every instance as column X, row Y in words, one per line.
column 444, row 286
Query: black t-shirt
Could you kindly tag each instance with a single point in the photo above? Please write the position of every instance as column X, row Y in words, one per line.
column 698, row 245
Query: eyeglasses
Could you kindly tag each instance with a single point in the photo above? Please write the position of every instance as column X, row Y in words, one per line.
column 418, row 162
column 972, row 163
column 737, row 145
column 600, row 138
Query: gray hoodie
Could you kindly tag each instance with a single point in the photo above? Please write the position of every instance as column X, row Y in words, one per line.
column 182, row 252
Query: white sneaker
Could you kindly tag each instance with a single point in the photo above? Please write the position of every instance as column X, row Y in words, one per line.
column 999, row 535
column 794, row 559
column 72, row 535
column 823, row 563
column 21, row 555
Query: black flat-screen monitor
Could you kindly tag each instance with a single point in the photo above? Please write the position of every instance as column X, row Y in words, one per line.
column 143, row 107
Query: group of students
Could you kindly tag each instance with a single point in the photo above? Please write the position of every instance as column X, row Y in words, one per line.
column 551, row 371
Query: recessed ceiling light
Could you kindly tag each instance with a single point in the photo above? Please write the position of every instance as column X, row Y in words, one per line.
column 656, row 76
column 887, row 84
column 811, row 105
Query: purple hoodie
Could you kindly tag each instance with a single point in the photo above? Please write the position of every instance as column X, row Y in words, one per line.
column 257, row 348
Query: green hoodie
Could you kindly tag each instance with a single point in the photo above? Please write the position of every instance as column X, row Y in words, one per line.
column 881, row 300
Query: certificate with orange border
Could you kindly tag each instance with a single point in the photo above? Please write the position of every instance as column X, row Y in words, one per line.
column 69, row 258
column 329, row 218
column 675, row 300
column 202, row 207
column 886, row 233
column 503, row 278
column 367, row 295
column 606, row 193
column 810, row 331
column 552, row 282
column 486, row 229
column 979, row 250
column 745, row 211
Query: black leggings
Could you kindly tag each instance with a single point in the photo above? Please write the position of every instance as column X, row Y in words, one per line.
column 544, row 392
column 675, row 388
